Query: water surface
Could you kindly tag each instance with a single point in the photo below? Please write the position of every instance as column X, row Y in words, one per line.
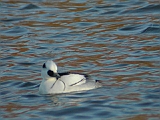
column 116, row 41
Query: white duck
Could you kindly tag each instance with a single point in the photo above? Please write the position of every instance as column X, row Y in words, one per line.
column 54, row 82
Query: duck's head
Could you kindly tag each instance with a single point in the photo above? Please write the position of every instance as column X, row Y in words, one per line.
column 49, row 70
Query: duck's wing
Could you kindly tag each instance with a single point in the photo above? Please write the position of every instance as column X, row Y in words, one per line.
column 73, row 79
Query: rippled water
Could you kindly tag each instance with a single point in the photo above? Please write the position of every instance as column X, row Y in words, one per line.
column 116, row 41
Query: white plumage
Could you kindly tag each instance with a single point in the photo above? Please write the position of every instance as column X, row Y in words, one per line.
column 54, row 82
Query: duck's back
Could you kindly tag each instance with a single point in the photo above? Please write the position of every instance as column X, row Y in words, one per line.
column 78, row 82
column 73, row 79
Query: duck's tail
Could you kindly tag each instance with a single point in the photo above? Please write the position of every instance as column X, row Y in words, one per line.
column 98, row 83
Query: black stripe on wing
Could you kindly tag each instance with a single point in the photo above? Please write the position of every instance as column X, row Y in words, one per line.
column 77, row 82
column 68, row 73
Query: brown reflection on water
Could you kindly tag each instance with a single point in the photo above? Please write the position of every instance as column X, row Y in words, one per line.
column 62, row 4
column 14, row 110
column 15, row 1
column 144, row 117
column 5, row 37
column 125, row 78
column 130, row 96
column 150, row 48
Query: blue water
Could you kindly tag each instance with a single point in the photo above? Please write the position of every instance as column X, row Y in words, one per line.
column 115, row 41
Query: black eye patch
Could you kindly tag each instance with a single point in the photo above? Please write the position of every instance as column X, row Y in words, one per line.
column 44, row 65
column 50, row 73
